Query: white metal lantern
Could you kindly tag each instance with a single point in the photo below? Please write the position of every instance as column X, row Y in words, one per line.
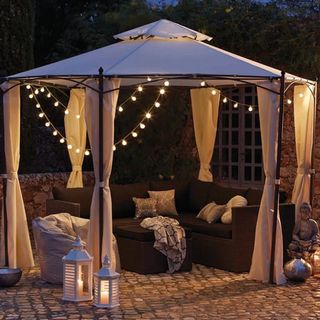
column 106, row 286
column 77, row 274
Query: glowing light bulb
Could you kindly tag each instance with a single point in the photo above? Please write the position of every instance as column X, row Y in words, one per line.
column 167, row 83
column 87, row 152
column 133, row 98
column 78, row 116
column 55, row 132
column 162, row 91
column 62, row 140
column 41, row 115
column 301, row 95
column 56, row 103
column 148, row 115
column 42, row 89
column 66, row 111
column 134, row 134
column 77, row 150
column 149, row 79
column 140, row 88
column 120, row 109
column 157, row 104
column 36, row 91
column 47, row 124
column 38, row 106
column 289, row 101
column 236, row 105
column 214, row 92
column 250, row 108
column 28, row 86
column 202, row 84
column 124, row 142
column 30, row 95
column 114, row 148
column 142, row 125
column 225, row 100
column 69, row 146
column 49, row 95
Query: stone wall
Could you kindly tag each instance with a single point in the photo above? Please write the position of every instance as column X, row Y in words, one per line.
column 36, row 189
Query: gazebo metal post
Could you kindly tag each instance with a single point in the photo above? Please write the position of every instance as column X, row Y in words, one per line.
column 4, row 197
column 277, row 178
column 101, row 142
column 312, row 173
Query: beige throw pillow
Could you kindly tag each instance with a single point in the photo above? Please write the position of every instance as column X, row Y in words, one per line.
column 145, row 207
column 212, row 212
column 237, row 201
column 165, row 202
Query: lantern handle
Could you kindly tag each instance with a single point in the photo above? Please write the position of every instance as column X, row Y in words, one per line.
column 78, row 243
column 106, row 262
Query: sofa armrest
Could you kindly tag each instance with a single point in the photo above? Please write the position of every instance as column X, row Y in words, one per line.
column 59, row 206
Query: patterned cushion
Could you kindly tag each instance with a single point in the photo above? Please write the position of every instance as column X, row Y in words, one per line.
column 212, row 212
column 145, row 207
column 165, row 202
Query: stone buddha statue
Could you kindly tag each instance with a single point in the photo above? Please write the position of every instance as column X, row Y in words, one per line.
column 305, row 236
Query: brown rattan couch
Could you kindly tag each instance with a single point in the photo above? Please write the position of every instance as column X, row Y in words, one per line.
column 223, row 246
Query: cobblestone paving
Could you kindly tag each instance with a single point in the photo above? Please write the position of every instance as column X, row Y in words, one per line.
column 204, row 293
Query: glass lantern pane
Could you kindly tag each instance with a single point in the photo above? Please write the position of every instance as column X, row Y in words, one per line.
column 83, row 280
column 104, row 292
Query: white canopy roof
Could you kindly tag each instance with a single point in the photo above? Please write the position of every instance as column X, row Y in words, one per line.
column 161, row 49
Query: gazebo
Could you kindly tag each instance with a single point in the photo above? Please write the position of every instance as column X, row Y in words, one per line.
column 149, row 55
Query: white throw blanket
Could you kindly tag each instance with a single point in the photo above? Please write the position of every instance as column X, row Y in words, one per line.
column 170, row 239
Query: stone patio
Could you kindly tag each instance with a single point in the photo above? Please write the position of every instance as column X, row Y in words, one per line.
column 204, row 293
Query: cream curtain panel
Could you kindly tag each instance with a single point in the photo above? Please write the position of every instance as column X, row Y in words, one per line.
column 303, row 122
column 92, row 120
column 205, row 111
column 76, row 133
column 19, row 246
column 260, row 266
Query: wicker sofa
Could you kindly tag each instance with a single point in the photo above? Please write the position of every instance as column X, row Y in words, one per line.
column 224, row 246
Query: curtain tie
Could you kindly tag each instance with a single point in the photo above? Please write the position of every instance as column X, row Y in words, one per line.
column 205, row 166
column 12, row 175
column 76, row 168
column 303, row 171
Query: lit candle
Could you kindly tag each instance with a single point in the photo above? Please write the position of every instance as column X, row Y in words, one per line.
column 104, row 297
column 80, row 287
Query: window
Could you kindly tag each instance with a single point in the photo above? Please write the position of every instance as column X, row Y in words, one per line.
column 237, row 158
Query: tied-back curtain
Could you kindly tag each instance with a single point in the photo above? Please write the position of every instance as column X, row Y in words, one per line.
column 260, row 266
column 205, row 112
column 76, row 133
column 19, row 246
column 303, row 123
column 92, row 120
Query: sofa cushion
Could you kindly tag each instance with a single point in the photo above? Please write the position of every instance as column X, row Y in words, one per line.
column 213, row 229
column 165, row 202
column 122, row 194
column 82, row 196
column 181, row 191
column 136, row 232
column 198, row 195
column 221, row 195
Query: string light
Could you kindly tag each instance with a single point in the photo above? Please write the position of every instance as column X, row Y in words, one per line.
column 149, row 79
column 31, row 95
column 48, row 95
column 148, row 115
column 162, row 91
column 166, row 83
column 78, row 116
column 142, row 125
column 87, row 153
column 289, row 101
column 38, row 106
column 28, row 86
column 214, row 92
column 61, row 140
column 47, row 124
column 236, row 105
column 134, row 134
column 42, row 89
column 114, row 148
column 202, row 84
column 225, row 100
column 133, row 98
column 120, row 109
column 140, row 89
column 124, row 142
column 56, row 104
column 55, row 132
column 301, row 95
column 250, row 108
column 66, row 112
column 69, row 146
column 41, row 115
column 36, row 91
column 77, row 150
column 157, row 104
